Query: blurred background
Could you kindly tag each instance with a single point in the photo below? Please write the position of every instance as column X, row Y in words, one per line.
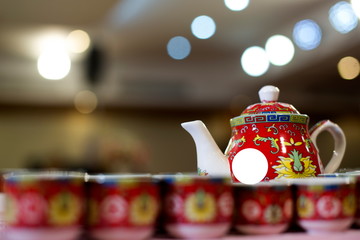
column 104, row 85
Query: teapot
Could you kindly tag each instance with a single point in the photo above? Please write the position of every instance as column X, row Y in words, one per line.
column 270, row 140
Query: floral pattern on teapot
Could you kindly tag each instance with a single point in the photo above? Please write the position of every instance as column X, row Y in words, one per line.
column 283, row 137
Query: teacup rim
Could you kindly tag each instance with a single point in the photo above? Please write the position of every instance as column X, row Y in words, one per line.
column 43, row 175
column 262, row 184
column 315, row 181
column 188, row 175
column 106, row 177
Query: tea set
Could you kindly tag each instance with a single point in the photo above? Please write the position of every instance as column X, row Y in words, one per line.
column 269, row 177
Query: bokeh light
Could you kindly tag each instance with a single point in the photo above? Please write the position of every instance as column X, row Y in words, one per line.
column 203, row 27
column 54, row 62
column 54, row 65
column 280, row 50
column 254, row 61
column 236, row 5
column 307, row 34
column 342, row 17
column 356, row 7
column 78, row 41
column 349, row 68
column 85, row 101
column 179, row 48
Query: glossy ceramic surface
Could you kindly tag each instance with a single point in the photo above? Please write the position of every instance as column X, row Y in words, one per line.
column 42, row 204
column 263, row 208
column 122, row 206
column 325, row 204
column 197, row 207
column 270, row 140
column 281, row 133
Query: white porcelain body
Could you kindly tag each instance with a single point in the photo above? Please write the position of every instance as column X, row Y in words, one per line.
column 211, row 161
column 325, row 226
column 122, row 233
column 14, row 233
column 196, row 231
column 262, row 229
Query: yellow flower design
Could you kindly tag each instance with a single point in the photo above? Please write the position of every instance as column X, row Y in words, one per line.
column 200, row 207
column 143, row 209
column 292, row 143
column 11, row 209
column 305, row 207
column 295, row 166
column 349, row 205
column 273, row 214
column 64, row 208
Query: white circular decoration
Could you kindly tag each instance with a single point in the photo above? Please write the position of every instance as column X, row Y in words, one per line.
column 113, row 209
column 328, row 207
column 250, row 166
column 251, row 210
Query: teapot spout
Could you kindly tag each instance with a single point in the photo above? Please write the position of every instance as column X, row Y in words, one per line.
column 210, row 160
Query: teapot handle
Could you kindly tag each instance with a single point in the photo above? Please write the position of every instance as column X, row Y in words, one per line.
column 339, row 142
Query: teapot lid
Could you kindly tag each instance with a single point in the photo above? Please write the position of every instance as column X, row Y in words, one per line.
column 269, row 104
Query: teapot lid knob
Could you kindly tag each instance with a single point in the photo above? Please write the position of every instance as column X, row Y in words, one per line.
column 269, row 93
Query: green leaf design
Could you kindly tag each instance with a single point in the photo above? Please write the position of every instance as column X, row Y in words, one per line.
column 297, row 160
column 273, row 142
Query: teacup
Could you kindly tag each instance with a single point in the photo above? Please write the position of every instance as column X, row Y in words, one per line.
column 263, row 208
column 325, row 204
column 122, row 206
column 196, row 206
column 355, row 174
column 44, row 205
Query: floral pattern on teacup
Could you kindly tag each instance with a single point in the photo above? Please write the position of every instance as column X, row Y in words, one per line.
column 200, row 207
column 326, row 202
column 226, row 204
column 305, row 207
column 143, row 210
column 113, row 209
column 349, row 205
column 263, row 205
column 251, row 210
column 65, row 208
column 198, row 200
column 328, row 207
column 128, row 203
column 273, row 214
column 33, row 208
column 12, row 210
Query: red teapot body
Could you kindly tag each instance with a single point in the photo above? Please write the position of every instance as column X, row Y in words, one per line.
column 281, row 134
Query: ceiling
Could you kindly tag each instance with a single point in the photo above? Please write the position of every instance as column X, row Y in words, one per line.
column 136, row 70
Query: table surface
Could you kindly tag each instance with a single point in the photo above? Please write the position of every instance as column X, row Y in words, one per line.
column 350, row 234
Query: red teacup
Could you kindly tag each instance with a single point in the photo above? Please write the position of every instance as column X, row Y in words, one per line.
column 122, row 206
column 263, row 208
column 325, row 204
column 44, row 205
column 197, row 206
